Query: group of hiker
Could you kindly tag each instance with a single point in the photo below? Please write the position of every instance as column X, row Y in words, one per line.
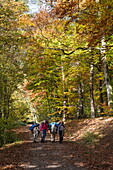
column 44, row 127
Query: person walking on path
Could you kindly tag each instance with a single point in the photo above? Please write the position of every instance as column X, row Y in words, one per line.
column 61, row 128
column 43, row 129
column 53, row 130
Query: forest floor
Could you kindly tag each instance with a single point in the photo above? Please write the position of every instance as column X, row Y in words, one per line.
column 87, row 145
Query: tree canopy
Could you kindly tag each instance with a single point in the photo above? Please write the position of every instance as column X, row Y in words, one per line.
column 59, row 59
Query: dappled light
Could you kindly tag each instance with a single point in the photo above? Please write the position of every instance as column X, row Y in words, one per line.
column 77, row 151
column 56, row 84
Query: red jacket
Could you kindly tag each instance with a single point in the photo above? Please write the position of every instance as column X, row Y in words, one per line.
column 44, row 126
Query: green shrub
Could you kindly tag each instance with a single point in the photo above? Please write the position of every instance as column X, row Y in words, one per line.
column 19, row 123
column 9, row 137
column 90, row 138
column 6, row 134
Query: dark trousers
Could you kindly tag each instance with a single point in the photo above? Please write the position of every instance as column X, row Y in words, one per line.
column 61, row 134
column 43, row 135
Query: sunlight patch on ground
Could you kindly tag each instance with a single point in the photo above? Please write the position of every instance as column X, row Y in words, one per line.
column 7, row 167
column 90, row 125
column 38, row 148
column 68, row 156
column 43, row 154
column 79, row 164
column 12, row 144
column 53, row 166
column 27, row 166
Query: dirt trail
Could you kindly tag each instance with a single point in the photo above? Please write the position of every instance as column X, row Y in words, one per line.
column 73, row 154
column 42, row 156
column 51, row 156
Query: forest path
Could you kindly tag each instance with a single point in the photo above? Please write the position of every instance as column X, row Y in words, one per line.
column 42, row 156
column 73, row 154
column 52, row 156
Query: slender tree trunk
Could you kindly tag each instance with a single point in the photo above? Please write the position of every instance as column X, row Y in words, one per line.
column 108, row 86
column 5, row 100
column 63, row 87
column 81, row 107
column 1, row 102
column 100, row 86
column 101, row 96
column 91, row 92
column 8, row 105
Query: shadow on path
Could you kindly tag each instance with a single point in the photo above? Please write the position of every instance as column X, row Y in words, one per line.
column 42, row 156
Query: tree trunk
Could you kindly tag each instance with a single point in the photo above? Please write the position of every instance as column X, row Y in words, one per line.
column 108, row 86
column 81, row 107
column 101, row 96
column 63, row 89
column 101, row 82
column 91, row 92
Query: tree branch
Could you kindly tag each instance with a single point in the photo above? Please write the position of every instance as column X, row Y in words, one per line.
column 79, row 48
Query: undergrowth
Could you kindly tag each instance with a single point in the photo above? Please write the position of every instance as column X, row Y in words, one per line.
column 90, row 138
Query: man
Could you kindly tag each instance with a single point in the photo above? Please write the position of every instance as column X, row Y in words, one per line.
column 53, row 130
column 61, row 128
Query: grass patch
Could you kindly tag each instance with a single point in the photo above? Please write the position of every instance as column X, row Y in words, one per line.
column 90, row 138
column 7, row 137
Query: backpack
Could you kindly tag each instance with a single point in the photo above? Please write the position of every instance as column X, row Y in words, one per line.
column 61, row 127
column 34, row 125
column 53, row 128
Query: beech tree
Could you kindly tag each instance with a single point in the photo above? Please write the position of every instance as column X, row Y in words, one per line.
column 64, row 55
column 11, row 41
column 97, row 19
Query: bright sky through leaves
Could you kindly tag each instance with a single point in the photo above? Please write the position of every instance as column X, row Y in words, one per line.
column 33, row 6
column 36, row 5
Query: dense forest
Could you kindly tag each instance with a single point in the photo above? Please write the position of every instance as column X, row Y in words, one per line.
column 57, row 63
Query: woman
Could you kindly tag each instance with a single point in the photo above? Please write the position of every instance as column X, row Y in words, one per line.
column 43, row 129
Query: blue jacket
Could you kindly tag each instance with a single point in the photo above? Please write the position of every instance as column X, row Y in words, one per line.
column 56, row 124
column 34, row 125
